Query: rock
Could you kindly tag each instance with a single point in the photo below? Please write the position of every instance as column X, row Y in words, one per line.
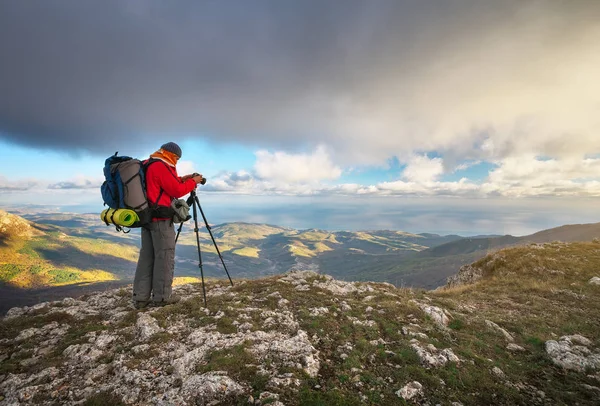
column 146, row 326
column 282, row 321
column 185, row 364
column 410, row 391
column 432, row 358
column 268, row 396
column 82, row 353
column 573, row 357
column 498, row 373
column 245, row 327
column 438, row 315
column 514, row 347
column 577, row 339
column 15, row 312
column 338, row 288
column 296, row 352
column 594, row 281
column 105, row 339
column 28, row 333
column 318, row 311
column 467, row 274
column 206, row 388
column 450, row 356
column 499, row 329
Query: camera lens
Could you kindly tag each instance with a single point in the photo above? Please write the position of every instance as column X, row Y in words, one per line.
column 203, row 181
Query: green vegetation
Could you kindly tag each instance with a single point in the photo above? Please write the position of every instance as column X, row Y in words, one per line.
column 104, row 399
column 60, row 276
column 9, row 271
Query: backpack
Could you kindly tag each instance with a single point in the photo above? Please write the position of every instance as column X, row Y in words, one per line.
column 125, row 188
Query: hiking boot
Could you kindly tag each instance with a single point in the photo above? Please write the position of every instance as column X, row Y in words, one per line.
column 171, row 300
column 140, row 304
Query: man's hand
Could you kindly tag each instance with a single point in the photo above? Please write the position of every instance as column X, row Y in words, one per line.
column 197, row 178
column 186, row 177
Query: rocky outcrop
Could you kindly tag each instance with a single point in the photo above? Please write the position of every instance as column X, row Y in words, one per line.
column 440, row 316
column 431, row 357
column 573, row 352
column 467, row 274
column 410, row 391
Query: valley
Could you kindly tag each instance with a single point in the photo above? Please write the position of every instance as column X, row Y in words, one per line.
column 45, row 255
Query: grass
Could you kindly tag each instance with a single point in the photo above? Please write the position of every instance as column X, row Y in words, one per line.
column 9, row 271
column 247, row 252
column 60, row 276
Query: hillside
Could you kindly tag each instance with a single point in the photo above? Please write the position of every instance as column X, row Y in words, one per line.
column 36, row 255
column 430, row 267
column 526, row 332
column 73, row 253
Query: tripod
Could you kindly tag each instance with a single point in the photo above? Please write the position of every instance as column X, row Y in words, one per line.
column 194, row 203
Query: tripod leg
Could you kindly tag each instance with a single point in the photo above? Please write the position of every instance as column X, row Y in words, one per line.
column 199, row 253
column 211, row 236
column 178, row 232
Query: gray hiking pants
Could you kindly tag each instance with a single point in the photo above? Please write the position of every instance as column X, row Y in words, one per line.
column 154, row 272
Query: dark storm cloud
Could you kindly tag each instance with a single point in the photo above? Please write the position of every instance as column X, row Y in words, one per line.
column 86, row 75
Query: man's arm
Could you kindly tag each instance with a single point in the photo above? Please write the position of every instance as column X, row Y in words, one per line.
column 172, row 184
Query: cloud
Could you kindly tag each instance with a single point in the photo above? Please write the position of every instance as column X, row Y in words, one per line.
column 8, row 186
column 530, row 176
column 237, row 182
column 185, row 168
column 292, row 168
column 421, row 169
column 480, row 80
column 77, row 183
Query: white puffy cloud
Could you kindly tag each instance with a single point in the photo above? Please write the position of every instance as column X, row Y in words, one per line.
column 282, row 167
column 530, row 176
column 421, row 168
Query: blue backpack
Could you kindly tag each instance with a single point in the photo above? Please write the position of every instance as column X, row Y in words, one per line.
column 125, row 187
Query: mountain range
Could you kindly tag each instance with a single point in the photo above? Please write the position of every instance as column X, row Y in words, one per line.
column 45, row 255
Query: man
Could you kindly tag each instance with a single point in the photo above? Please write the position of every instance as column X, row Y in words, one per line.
column 153, row 280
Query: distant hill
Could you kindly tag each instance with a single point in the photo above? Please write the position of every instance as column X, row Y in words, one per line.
column 430, row 268
column 567, row 233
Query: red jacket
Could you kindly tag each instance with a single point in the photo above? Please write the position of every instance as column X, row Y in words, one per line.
column 161, row 176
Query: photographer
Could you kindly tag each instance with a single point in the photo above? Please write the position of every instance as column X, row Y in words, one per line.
column 153, row 280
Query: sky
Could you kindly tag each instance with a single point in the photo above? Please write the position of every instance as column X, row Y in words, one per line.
column 461, row 116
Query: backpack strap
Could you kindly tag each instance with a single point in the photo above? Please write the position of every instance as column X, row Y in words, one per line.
column 145, row 166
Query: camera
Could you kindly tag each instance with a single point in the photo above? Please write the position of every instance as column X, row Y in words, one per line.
column 203, row 182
